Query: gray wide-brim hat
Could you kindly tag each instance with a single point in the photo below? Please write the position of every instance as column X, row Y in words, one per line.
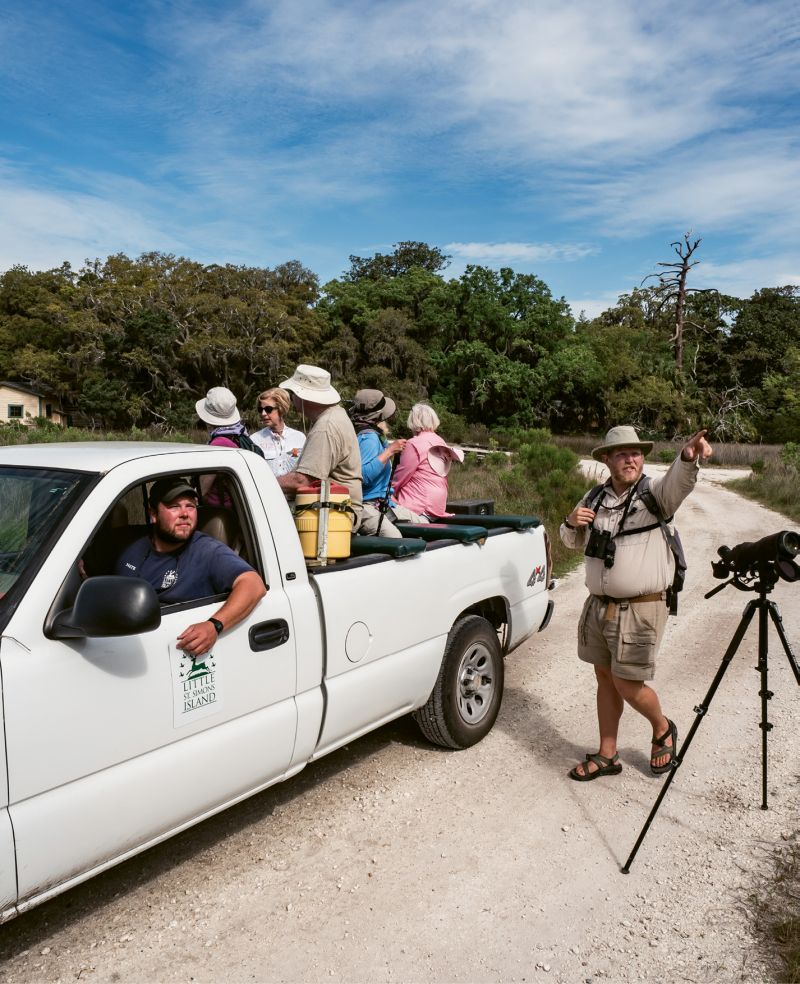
column 313, row 384
column 218, row 407
column 370, row 404
column 621, row 437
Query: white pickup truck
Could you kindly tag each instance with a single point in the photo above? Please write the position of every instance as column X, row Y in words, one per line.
column 112, row 739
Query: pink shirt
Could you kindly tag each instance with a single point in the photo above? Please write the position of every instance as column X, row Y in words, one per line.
column 218, row 494
column 417, row 486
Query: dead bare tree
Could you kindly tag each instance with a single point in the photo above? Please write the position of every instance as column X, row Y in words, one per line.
column 730, row 415
column 672, row 289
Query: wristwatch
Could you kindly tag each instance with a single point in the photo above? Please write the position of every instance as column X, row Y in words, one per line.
column 569, row 525
column 217, row 624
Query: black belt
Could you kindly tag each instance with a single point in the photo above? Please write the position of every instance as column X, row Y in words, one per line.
column 656, row 596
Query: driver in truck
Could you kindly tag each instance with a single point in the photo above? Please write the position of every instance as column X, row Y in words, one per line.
column 183, row 564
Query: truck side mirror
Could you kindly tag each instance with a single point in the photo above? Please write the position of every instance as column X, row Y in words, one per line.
column 109, row 606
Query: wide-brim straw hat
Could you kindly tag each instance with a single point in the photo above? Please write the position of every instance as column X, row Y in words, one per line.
column 442, row 456
column 218, row 407
column 621, row 437
column 313, row 384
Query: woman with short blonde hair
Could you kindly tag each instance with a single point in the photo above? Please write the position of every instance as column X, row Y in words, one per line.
column 281, row 444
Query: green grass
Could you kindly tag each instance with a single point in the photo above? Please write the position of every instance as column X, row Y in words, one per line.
column 51, row 433
column 776, row 486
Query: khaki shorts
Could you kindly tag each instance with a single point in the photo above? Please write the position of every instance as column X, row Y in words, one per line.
column 628, row 643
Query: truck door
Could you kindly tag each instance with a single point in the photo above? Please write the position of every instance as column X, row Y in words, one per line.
column 8, row 869
column 114, row 743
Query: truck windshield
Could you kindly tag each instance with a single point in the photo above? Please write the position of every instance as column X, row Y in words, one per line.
column 32, row 503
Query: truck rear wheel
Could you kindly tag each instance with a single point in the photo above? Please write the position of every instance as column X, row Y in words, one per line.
column 468, row 692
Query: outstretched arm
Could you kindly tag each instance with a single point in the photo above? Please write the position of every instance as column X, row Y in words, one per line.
column 697, row 448
column 672, row 488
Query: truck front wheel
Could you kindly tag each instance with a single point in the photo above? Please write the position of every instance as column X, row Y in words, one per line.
column 468, row 692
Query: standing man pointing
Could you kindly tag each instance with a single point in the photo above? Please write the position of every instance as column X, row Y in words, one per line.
column 629, row 567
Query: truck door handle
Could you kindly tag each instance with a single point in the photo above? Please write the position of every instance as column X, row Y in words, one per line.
column 268, row 635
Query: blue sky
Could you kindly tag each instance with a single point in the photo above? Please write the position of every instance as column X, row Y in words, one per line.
column 574, row 141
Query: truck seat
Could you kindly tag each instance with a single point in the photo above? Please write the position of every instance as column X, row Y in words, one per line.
column 361, row 546
column 431, row 532
column 222, row 524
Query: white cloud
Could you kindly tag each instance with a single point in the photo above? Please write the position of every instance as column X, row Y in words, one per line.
column 43, row 227
column 510, row 253
column 749, row 183
column 609, row 113
column 625, row 116
column 592, row 307
column 609, row 82
column 743, row 278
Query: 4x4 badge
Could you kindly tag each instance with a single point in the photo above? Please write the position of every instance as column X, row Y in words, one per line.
column 539, row 574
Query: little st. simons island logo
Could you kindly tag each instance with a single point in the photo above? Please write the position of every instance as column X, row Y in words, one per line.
column 195, row 687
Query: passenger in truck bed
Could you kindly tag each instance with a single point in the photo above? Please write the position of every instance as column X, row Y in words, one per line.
column 370, row 413
column 420, row 479
column 331, row 448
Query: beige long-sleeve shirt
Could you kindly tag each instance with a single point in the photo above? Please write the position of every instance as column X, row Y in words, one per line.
column 643, row 563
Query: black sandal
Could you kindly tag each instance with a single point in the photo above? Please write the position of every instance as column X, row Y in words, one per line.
column 670, row 750
column 605, row 767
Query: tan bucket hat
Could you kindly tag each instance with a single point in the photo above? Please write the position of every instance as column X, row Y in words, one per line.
column 621, row 437
column 313, row 384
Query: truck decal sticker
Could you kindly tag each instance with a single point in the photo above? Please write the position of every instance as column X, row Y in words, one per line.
column 195, row 687
column 537, row 575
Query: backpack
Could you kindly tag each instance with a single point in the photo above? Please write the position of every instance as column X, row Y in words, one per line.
column 671, row 536
column 245, row 443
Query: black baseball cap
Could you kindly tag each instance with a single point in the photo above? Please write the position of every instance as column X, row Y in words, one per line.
column 169, row 489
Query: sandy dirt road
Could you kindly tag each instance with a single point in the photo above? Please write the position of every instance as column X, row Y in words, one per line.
column 395, row 861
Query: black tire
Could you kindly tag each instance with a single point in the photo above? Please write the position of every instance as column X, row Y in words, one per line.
column 466, row 697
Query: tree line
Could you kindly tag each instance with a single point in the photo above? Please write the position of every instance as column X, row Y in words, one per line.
column 135, row 342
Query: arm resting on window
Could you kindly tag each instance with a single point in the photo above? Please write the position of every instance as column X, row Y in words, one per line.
column 248, row 589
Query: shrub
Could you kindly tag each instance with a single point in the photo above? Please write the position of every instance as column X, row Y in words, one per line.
column 540, row 479
column 790, row 455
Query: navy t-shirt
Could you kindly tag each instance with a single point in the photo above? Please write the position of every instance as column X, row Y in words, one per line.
column 204, row 566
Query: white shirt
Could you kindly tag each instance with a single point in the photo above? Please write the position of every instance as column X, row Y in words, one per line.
column 278, row 448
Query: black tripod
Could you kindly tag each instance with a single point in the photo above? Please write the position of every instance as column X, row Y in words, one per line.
column 765, row 580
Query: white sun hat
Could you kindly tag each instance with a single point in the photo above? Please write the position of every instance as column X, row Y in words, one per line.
column 218, row 407
column 313, row 384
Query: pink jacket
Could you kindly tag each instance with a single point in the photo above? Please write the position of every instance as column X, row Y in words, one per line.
column 416, row 485
column 218, row 494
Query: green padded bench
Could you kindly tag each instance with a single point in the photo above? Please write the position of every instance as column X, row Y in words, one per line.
column 439, row 531
column 360, row 546
column 492, row 522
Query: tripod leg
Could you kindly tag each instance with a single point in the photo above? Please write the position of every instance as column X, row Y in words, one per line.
column 778, row 622
column 764, row 693
column 701, row 710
